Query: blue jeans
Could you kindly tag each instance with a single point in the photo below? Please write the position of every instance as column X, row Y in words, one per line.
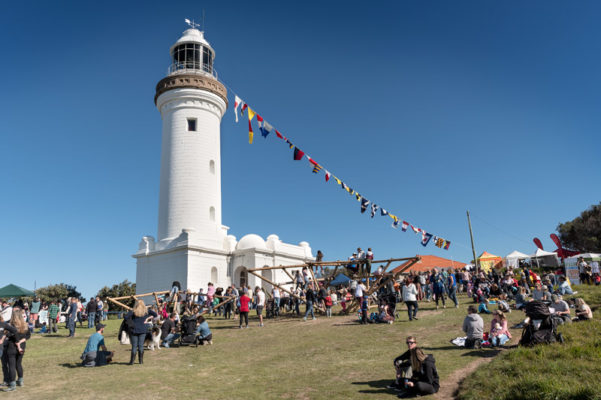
column 453, row 294
column 411, row 309
column 499, row 340
column 168, row 341
column 91, row 318
column 276, row 305
column 137, row 342
column 309, row 309
column 71, row 326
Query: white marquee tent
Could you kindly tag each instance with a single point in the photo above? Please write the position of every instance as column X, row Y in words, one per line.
column 545, row 258
column 513, row 259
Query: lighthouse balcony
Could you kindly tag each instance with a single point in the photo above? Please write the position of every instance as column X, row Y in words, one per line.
column 192, row 68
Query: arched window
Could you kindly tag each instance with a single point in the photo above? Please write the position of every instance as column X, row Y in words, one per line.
column 267, row 274
column 214, row 275
column 241, row 276
column 212, row 214
column 212, row 167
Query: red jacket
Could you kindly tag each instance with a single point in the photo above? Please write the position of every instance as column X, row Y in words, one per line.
column 244, row 301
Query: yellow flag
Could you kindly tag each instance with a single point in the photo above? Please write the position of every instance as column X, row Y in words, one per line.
column 251, row 115
column 392, row 216
column 338, row 181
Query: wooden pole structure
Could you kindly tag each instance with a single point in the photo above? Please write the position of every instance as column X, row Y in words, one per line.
column 275, row 284
column 119, row 303
column 469, row 223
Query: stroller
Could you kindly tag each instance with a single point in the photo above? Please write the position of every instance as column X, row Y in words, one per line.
column 542, row 326
column 270, row 309
column 188, row 334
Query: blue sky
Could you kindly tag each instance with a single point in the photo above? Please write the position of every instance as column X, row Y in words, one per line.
column 426, row 108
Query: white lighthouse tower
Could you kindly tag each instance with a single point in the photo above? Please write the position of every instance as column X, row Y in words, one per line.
column 192, row 245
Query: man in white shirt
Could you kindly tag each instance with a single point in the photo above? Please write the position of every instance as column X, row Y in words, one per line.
column 359, row 290
column 7, row 311
column 260, row 304
column 361, row 258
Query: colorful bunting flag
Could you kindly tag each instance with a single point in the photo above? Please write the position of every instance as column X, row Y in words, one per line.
column 278, row 134
column 316, row 168
column 395, row 223
column 243, row 108
column 383, row 212
column 426, row 238
column 328, row 175
column 405, row 226
column 344, row 186
column 289, row 143
column 298, row 154
column 358, row 196
column 251, row 115
column 338, row 181
column 237, row 103
column 415, row 230
column 447, row 243
column 439, row 242
column 348, row 189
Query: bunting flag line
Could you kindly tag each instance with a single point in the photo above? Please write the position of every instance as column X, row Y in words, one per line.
column 251, row 115
column 364, row 204
column 426, row 238
column 298, row 154
column 237, row 103
column 265, row 128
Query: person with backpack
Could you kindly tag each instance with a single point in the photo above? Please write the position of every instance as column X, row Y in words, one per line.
column 416, row 372
column 136, row 325
column 437, row 281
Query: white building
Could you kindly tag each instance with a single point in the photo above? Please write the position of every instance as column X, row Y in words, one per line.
column 192, row 245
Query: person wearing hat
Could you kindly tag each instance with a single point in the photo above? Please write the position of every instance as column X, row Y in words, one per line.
column 95, row 354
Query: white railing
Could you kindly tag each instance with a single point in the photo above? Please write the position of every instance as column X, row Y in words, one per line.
column 192, row 68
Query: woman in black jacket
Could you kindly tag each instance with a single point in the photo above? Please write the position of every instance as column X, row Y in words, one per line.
column 15, row 350
column 416, row 372
column 137, row 329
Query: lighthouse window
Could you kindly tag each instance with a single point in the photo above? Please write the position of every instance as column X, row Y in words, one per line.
column 191, row 124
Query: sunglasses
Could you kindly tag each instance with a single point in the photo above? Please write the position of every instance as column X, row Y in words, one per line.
column 410, row 342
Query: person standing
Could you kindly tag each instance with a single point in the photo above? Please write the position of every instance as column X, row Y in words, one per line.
column 369, row 257
column 35, row 310
column 309, row 300
column 99, row 308
column 260, row 304
column 137, row 331
column 72, row 316
column 437, row 281
column 276, row 301
column 410, row 298
column 244, row 308
column 452, row 287
column 91, row 310
column 361, row 260
column 53, row 312
column 15, row 350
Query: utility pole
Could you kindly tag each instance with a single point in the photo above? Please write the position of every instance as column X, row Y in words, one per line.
column 469, row 223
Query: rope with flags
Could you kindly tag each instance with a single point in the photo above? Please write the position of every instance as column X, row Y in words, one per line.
column 265, row 128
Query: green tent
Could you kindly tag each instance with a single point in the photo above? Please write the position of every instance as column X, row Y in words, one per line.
column 14, row 291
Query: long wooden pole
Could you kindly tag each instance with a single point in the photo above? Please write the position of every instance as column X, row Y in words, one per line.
column 469, row 223
column 275, row 284
column 326, row 264
column 119, row 303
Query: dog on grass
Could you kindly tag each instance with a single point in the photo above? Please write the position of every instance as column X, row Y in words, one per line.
column 153, row 339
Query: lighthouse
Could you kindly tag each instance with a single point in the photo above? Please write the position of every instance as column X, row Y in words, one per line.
column 192, row 246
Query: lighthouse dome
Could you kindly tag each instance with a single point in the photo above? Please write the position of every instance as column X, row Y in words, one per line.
column 192, row 54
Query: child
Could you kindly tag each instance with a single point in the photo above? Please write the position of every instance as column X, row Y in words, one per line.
column 364, row 308
column 328, row 303
column 482, row 308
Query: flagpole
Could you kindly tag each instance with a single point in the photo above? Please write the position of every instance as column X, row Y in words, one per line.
column 469, row 223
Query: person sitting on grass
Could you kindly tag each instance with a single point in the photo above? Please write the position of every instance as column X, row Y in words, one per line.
column 483, row 306
column 502, row 303
column 168, row 334
column 564, row 286
column 499, row 334
column 95, row 354
column 203, row 331
column 583, row 311
column 562, row 309
column 473, row 326
column 416, row 372
column 521, row 298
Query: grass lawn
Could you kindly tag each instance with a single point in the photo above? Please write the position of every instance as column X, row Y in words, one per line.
column 561, row 372
column 330, row 358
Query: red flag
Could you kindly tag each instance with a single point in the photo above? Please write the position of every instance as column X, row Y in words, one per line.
column 279, row 134
column 556, row 240
column 298, row 154
column 538, row 243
